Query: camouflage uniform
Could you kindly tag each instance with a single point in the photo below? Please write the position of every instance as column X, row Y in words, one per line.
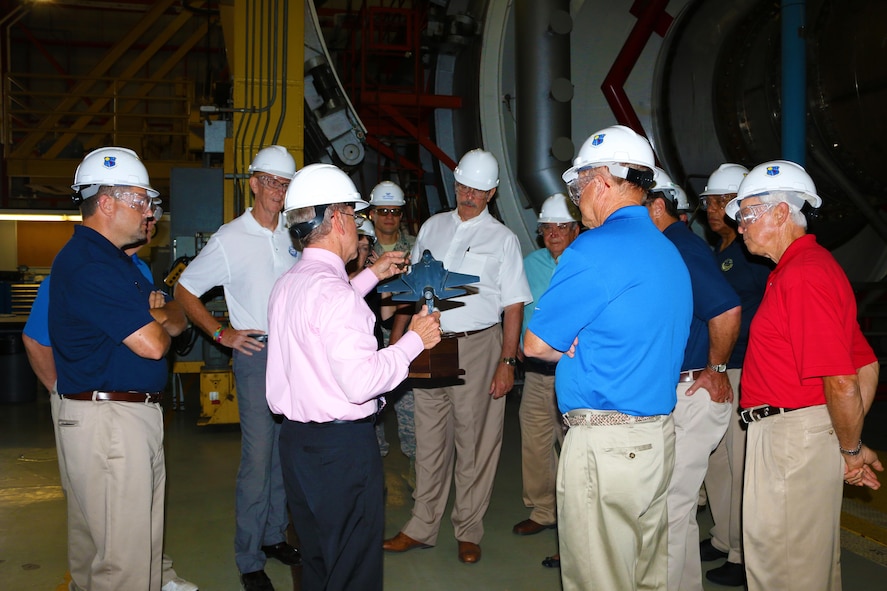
column 402, row 397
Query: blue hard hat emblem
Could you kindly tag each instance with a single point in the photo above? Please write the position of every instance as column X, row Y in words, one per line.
column 772, row 170
column 110, row 162
column 598, row 139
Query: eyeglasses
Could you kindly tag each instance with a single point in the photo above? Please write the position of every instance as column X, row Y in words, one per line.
column 752, row 213
column 576, row 187
column 388, row 211
column 273, row 184
column 466, row 190
column 714, row 203
column 137, row 201
column 358, row 219
column 551, row 228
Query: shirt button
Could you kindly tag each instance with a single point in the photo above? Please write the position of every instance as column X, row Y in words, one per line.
column 631, row 455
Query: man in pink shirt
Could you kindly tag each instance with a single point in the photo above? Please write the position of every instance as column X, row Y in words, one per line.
column 325, row 375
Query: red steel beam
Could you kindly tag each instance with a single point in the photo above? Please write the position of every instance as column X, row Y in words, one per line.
column 652, row 18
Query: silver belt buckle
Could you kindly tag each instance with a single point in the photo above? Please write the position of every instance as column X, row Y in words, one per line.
column 749, row 415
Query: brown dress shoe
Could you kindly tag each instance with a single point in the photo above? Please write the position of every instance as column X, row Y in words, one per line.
column 469, row 553
column 528, row 527
column 402, row 543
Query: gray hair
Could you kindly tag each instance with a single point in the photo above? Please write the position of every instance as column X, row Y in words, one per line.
column 790, row 198
column 306, row 214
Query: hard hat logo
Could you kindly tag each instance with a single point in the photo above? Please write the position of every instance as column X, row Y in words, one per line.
column 110, row 161
column 772, row 170
column 598, row 139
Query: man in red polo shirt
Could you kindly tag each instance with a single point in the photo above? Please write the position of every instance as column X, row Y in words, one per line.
column 808, row 380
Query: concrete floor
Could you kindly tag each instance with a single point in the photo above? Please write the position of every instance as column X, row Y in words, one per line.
column 201, row 468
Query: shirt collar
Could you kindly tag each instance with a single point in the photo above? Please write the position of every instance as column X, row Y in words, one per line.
column 796, row 248
column 475, row 220
column 326, row 257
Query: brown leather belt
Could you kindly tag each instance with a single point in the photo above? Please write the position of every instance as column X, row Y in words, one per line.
column 114, row 396
column 689, row 376
column 459, row 335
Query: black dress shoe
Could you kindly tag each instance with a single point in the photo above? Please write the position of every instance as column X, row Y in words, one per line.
column 552, row 561
column 256, row 581
column 284, row 553
column 707, row 552
column 728, row 574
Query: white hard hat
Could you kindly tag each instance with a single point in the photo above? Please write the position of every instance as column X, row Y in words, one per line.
column 322, row 184
column 557, row 209
column 387, row 193
column 777, row 175
column 274, row 160
column 672, row 191
column 725, row 180
column 478, row 169
column 114, row 167
column 317, row 186
column 365, row 228
column 612, row 146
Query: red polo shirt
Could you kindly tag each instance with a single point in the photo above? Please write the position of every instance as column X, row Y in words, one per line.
column 805, row 328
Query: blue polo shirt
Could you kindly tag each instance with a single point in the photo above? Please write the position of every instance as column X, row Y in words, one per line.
column 37, row 326
column 539, row 266
column 98, row 297
column 712, row 295
column 623, row 289
column 747, row 274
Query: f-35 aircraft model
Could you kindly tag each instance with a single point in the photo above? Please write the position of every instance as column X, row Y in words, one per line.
column 427, row 280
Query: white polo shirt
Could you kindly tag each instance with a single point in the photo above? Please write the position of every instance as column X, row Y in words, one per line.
column 481, row 246
column 245, row 259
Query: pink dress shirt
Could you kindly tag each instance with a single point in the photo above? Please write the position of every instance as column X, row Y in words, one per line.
column 323, row 360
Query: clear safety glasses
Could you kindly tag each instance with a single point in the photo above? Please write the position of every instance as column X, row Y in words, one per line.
column 137, row 201
column 551, row 228
column 272, row 184
column 752, row 213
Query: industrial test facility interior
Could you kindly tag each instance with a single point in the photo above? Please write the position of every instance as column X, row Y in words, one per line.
column 399, row 90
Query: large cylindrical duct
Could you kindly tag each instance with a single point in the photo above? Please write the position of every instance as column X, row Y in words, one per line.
column 544, row 96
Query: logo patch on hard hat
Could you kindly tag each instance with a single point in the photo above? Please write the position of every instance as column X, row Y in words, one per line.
column 598, row 139
column 772, row 170
column 110, row 162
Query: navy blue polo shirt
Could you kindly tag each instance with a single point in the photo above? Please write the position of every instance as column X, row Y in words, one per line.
column 98, row 297
column 747, row 274
column 712, row 295
column 623, row 289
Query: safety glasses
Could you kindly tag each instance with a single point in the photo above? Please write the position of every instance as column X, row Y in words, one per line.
column 752, row 213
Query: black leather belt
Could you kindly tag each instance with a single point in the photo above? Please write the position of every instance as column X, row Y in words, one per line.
column 756, row 413
column 546, row 368
column 116, row 396
column 459, row 335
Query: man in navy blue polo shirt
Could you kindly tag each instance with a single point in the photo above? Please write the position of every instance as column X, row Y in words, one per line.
column 110, row 332
column 616, row 318
column 704, row 393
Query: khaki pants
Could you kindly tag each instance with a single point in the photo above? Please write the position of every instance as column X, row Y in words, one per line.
column 612, row 522
column 541, row 431
column 699, row 424
column 113, row 456
column 723, row 482
column 792, row 503
column 458, row 434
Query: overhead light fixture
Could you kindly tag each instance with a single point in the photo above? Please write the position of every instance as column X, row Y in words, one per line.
column 32, row 215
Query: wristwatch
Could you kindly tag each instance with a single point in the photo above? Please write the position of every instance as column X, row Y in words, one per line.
column 512, row 361
column 720, row 368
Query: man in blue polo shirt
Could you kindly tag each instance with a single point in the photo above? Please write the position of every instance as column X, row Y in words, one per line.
column 39, row 348
column 616, row 317
column 110, row 332
column 704, row 393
